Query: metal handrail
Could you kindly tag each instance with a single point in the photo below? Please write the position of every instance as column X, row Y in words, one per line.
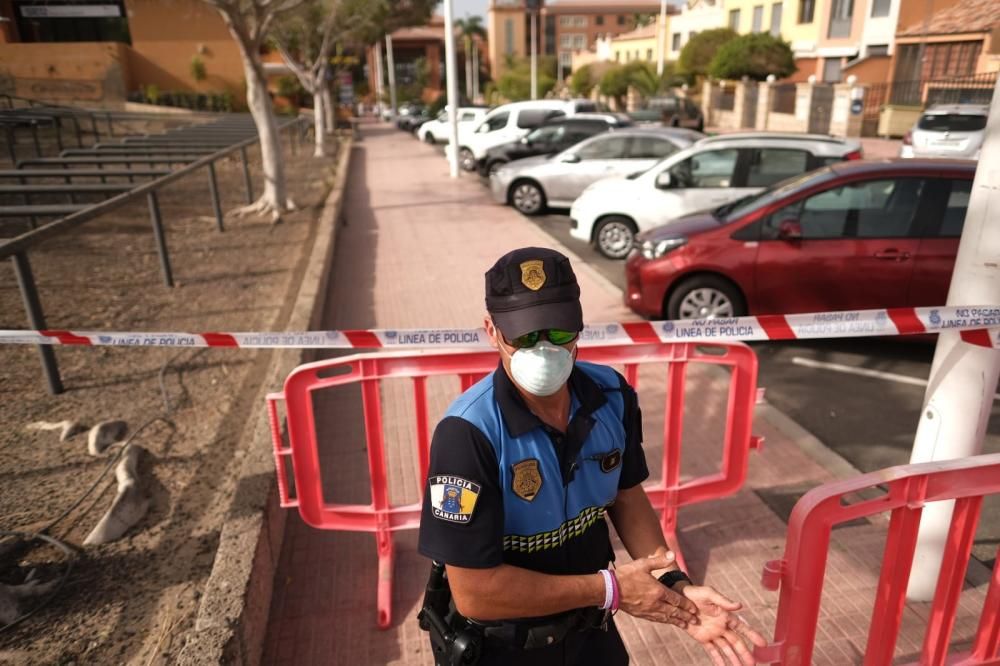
column 21, row 243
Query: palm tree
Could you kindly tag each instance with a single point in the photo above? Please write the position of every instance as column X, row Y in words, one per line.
column 471, row 27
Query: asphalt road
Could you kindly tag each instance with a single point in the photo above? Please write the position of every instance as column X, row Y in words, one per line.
column 868, row 420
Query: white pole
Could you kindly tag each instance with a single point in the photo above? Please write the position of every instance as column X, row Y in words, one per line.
column 452, row 86
column 534, row 54
column 661, row 37
column 963, row 377
column 392, row 73
column 378, row 77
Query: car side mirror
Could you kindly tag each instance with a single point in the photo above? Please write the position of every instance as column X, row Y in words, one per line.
column 790, row 230
column 664, row 181
column 571, row 158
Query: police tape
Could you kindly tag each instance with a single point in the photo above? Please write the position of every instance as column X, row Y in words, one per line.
column 977, row 325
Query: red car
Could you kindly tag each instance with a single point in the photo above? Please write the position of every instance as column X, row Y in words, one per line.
column 850, row 236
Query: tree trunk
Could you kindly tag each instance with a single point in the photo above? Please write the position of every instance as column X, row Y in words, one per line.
column 319, row 122
column 331, row 119
column 275, row 197
column 468, row 69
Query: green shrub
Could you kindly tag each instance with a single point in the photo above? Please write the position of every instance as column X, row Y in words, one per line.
column 698, row 53
column 581, row 82
column 615, row 84
column 754, row 56
column 198, row 72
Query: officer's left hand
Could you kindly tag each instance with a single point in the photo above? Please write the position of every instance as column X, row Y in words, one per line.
column 722, row 634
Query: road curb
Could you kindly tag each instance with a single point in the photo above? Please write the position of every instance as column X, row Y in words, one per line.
column 232, row 618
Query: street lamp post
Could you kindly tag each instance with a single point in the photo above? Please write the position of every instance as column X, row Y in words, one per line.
column 392, row 73
column 661, row 38
column 452, row 86
column 534, row 51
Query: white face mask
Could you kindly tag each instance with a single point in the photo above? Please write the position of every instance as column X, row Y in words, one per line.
column 542, row 369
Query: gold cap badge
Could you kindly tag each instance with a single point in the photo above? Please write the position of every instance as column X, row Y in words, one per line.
column 533, row 274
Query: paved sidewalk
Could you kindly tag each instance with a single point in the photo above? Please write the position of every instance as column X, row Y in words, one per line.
column 411, row 253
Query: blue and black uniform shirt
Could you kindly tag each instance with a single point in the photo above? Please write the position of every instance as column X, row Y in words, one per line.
column 503, row 487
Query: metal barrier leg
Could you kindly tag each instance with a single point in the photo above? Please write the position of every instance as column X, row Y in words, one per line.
column 159, row 236
column 246, row 174
column 59, row 141
column 213, row 185
column 380, row 496
column 34, row 138
column 10, row 145
column 36, row 319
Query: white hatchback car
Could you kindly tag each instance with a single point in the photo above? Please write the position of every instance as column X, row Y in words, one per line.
column 436, row 131
column 948, row 130
column 712, row 172
column 510, row 122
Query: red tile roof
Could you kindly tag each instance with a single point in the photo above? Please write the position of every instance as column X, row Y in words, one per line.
column 964, row 16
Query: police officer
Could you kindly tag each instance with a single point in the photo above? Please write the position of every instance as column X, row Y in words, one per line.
column 524, row 467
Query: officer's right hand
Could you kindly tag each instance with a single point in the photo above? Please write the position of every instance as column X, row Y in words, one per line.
column 644, row 596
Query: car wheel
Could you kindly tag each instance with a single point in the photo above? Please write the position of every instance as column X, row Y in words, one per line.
column 495, row 166
column 701, row 125
column 705, row 297
column 614, row 235
column 429, row 138
column 466, row 159
column 675, row 122
column 527, row 197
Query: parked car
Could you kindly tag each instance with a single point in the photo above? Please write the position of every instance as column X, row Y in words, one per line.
column 677, row 112
column 851, row 236
column 413, row 120
column 948, row 130
column 434, row 131
column 554, row 136
column 533, row 184
column 510, row 122
column 714, row 171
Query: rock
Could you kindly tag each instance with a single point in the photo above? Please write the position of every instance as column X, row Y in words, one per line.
column 68, row 428
column 129, row 505
column 104, row 434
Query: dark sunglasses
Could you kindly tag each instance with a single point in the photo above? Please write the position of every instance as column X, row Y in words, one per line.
column 553, row 335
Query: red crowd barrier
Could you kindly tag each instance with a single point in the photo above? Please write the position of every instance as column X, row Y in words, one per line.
column 799, row 574
column 382, row 518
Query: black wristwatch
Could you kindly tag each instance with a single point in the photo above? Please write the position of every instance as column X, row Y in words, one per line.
column 671, row 578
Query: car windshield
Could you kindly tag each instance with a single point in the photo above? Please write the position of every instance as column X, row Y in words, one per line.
column 744, row 205
column 951, row 122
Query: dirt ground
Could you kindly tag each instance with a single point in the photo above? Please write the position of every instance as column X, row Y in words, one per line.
column 131, row 601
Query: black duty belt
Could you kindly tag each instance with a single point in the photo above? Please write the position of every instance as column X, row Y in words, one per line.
column 527, row 635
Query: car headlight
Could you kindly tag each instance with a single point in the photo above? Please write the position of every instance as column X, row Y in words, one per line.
column 656, row 249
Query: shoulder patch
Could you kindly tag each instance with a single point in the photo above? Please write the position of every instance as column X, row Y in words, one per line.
column 453, row 498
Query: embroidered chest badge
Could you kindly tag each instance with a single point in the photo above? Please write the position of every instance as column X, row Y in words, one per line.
column 611, row 461
column 533, row 274
column 527, row 479
column 453, row 498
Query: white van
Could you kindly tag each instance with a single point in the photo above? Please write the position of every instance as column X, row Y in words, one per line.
column 510, row 122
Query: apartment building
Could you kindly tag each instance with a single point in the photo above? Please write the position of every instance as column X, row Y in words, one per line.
column 694, row 17
column 564, row 26
column 955, row 39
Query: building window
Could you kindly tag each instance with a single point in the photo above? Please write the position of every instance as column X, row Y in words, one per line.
column 831, row 70
column 599, row 20
column 877, row 50
column 64, row 22
column 566, row 41
column 950, row 59
column 692, row 34
column 649, row 54
column 565, row 21
column 618, row 56
column 621, row 19
column 758, row 19
column 734, row 19
column 565, row 59
column 508, row 27
column 550, row 35
column 841, row 13
column 675, row 42
column 806, row 10
column 579, row 41
column 580, row 21
column 776, row 11
column 880, row 8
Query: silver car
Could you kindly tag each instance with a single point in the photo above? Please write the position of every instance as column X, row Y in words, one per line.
column 948, row 130
column 533, row 184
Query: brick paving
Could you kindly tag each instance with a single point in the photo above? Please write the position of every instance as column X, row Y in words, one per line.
column 411, row 253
